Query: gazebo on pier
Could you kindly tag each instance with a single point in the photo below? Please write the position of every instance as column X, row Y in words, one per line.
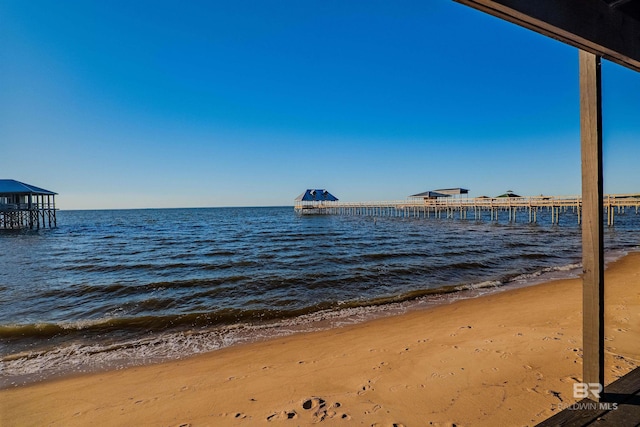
column 26, row 206
column 313, row 201
column 429, row 195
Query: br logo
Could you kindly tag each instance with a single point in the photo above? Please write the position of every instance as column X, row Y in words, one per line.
column 582, row 390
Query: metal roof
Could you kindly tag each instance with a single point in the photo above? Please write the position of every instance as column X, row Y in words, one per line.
column 430, row 194
column 508, row 194
column 316, row 196
column 453, row 191
column 11, row 186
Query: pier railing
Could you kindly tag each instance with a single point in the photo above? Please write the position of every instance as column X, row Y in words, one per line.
column 462, row 207
column 24, row 206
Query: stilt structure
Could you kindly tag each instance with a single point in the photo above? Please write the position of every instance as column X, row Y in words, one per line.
column 26, row 206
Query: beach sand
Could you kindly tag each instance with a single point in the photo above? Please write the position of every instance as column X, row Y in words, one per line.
column 500, row 360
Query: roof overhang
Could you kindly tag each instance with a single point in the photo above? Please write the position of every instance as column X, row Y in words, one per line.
column 608, row 28
column 452, row 191
column 13, row 187
column 316, row 196
column 429, row 194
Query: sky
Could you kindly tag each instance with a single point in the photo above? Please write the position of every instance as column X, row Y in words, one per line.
column 148, row 104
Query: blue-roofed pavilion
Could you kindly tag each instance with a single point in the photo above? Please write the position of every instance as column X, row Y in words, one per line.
column 26, row 206
column 312, row 201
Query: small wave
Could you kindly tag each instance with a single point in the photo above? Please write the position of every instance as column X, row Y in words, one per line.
column 108, row 268
column 480, row 285
column 544, row 273
column 116, row 290
column 535, row 256
column 379, row 256
column 182, row 255
column 220, row 253
column 465, row 266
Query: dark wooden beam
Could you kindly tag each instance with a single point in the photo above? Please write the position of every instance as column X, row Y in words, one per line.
column 592, row 218
column 589, row 25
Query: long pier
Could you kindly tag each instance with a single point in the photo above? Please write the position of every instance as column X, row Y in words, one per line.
column 474, row 208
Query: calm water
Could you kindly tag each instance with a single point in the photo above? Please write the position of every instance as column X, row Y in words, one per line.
column 114, row 288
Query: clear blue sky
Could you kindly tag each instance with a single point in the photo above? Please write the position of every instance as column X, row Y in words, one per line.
column 117, row 104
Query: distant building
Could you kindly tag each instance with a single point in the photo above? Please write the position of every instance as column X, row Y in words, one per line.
column 26, row 206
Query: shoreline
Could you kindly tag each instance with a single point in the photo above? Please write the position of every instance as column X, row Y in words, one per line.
column 28, row 367
column 507, row 358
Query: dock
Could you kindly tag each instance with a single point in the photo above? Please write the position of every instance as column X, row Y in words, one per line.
column 512, row 209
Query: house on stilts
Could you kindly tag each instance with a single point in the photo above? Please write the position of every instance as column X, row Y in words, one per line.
column 26, row 206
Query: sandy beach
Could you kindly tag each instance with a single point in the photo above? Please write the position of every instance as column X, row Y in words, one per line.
column 509, row 358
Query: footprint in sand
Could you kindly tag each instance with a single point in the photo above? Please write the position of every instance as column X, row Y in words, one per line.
column 283, row 415
column 380, row 366
column 555, row 394
column 313, row 403
column 322, row 412
column 234, row 378
column 503, row 354
column 568, row 380
column 365, row 388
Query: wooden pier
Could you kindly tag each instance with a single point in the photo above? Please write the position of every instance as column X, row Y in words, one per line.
column 479, row 208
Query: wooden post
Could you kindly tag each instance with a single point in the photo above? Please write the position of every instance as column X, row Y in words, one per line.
column 592, row 218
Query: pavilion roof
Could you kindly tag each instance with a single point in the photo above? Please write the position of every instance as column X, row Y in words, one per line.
column 430, row 194
column 316, row 196
column 11, row 186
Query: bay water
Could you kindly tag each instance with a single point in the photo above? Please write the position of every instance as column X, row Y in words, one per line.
column 114, row 288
